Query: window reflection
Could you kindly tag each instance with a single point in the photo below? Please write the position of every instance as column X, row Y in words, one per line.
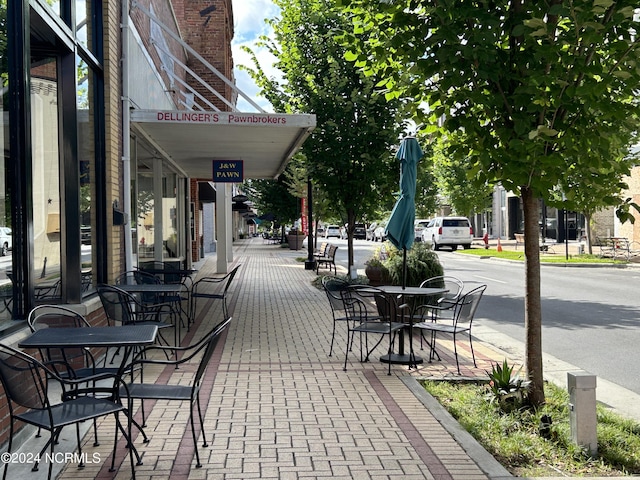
column 6, row 235
column 46, row 177
column 87, row 155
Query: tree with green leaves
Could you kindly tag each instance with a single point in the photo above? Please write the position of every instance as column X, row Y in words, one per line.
column 349, row 154
column 274, row 197
column 466, row 195
column 426, row 185
column 590, row 190
column 528, row 87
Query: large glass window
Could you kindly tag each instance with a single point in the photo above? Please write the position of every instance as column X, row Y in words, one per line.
column 46, row 177
column 51, row 193
column 87, row 164
column 6, row 236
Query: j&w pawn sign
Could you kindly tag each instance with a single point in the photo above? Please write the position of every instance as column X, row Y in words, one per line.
column 228, row 171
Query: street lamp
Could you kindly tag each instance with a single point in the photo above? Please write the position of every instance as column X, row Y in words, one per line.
column 310, row 263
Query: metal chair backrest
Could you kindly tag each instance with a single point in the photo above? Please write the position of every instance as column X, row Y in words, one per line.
column 211, row 340
column 367, row 304
column 467, row 305
column 54, row 316
column 57, row 316
column 333, row 287
column 453, row 285
column 24, row 380
column 119, row 306
column 230, row 277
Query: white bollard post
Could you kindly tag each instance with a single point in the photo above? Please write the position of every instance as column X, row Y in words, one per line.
column 582, row 410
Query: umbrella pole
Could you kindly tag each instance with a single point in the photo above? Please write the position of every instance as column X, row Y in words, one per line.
column 404, row 268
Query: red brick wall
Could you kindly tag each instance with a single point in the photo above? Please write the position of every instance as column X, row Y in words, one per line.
column 162, row 9
column 207, row 26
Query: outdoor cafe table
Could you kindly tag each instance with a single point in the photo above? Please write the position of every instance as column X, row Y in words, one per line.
column 125, row 336
column 393, row 292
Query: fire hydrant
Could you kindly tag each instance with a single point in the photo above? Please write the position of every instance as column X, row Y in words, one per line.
column 485, row 239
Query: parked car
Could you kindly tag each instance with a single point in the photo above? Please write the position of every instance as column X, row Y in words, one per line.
column 332, row 231
column 371, row 230
column 450, row 231
column 5, row 240
column 378, row 233
column 360, row 231
column 418, row 226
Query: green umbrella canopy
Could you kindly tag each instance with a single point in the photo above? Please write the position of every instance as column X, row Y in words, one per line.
column 400, row 229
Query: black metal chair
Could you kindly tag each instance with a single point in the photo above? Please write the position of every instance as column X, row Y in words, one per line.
column 170, row 273
column 154, row 391
column 26, row 383
column 81, row 360
column 124, row 308
column 442, row 307
column 463, row 313
column 445, row 303
column 215, row 288
column 369, row 311
column 333, row 287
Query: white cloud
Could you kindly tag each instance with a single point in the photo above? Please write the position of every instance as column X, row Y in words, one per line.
column 249, row 23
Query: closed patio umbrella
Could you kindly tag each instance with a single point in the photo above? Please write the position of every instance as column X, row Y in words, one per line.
column 400, row 226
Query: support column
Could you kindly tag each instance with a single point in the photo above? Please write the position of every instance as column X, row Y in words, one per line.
column 158, row 247
column 223, row 227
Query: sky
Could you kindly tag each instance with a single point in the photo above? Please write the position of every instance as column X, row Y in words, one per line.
column 249, row 24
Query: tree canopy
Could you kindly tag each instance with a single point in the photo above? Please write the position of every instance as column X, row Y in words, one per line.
column 350, row 153
column 528, row 87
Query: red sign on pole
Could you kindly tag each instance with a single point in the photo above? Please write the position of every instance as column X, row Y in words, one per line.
column 305, row 220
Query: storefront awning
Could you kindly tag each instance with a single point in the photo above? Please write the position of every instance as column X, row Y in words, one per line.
column 206, row 192
column 191, row 140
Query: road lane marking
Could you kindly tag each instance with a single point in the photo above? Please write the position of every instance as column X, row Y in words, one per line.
column 490, row 279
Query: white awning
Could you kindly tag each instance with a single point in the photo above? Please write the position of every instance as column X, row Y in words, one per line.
column 190, row 140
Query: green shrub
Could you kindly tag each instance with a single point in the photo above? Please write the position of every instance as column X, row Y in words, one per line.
column 422, row 263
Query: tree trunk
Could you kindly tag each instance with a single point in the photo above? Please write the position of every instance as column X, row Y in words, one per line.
column 532, row 302
column 351, row 219
column 587, row 222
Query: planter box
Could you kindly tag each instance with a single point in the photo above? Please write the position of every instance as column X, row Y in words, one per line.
column 295, row 241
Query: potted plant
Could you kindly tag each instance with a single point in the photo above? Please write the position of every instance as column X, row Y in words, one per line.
column 295, row 238
column 422, row 263
column 376, row 270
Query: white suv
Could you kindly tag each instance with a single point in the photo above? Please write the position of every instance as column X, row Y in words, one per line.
column 450, row 231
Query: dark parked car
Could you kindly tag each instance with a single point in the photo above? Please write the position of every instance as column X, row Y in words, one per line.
column 360, row 231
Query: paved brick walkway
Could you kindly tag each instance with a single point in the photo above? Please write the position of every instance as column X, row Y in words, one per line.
column 280, row 408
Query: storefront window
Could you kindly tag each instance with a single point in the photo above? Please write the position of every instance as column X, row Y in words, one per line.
column 46, row 177
column 6, row 235
column 83, row 27
column 145, row 216
column 170, row 213
column 87, row 160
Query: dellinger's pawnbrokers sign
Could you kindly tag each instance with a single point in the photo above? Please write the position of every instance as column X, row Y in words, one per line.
column 228, row 171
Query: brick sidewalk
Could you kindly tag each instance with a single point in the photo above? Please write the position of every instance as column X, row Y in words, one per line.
column 281, row 408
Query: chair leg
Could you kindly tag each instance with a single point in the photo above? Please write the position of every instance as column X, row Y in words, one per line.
column 6, row 464
column 455, row 351
column 204, row 435
column 473, row 355
column 81, row 464
column 333, row 336
column 195, row 440
column 346, row 353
